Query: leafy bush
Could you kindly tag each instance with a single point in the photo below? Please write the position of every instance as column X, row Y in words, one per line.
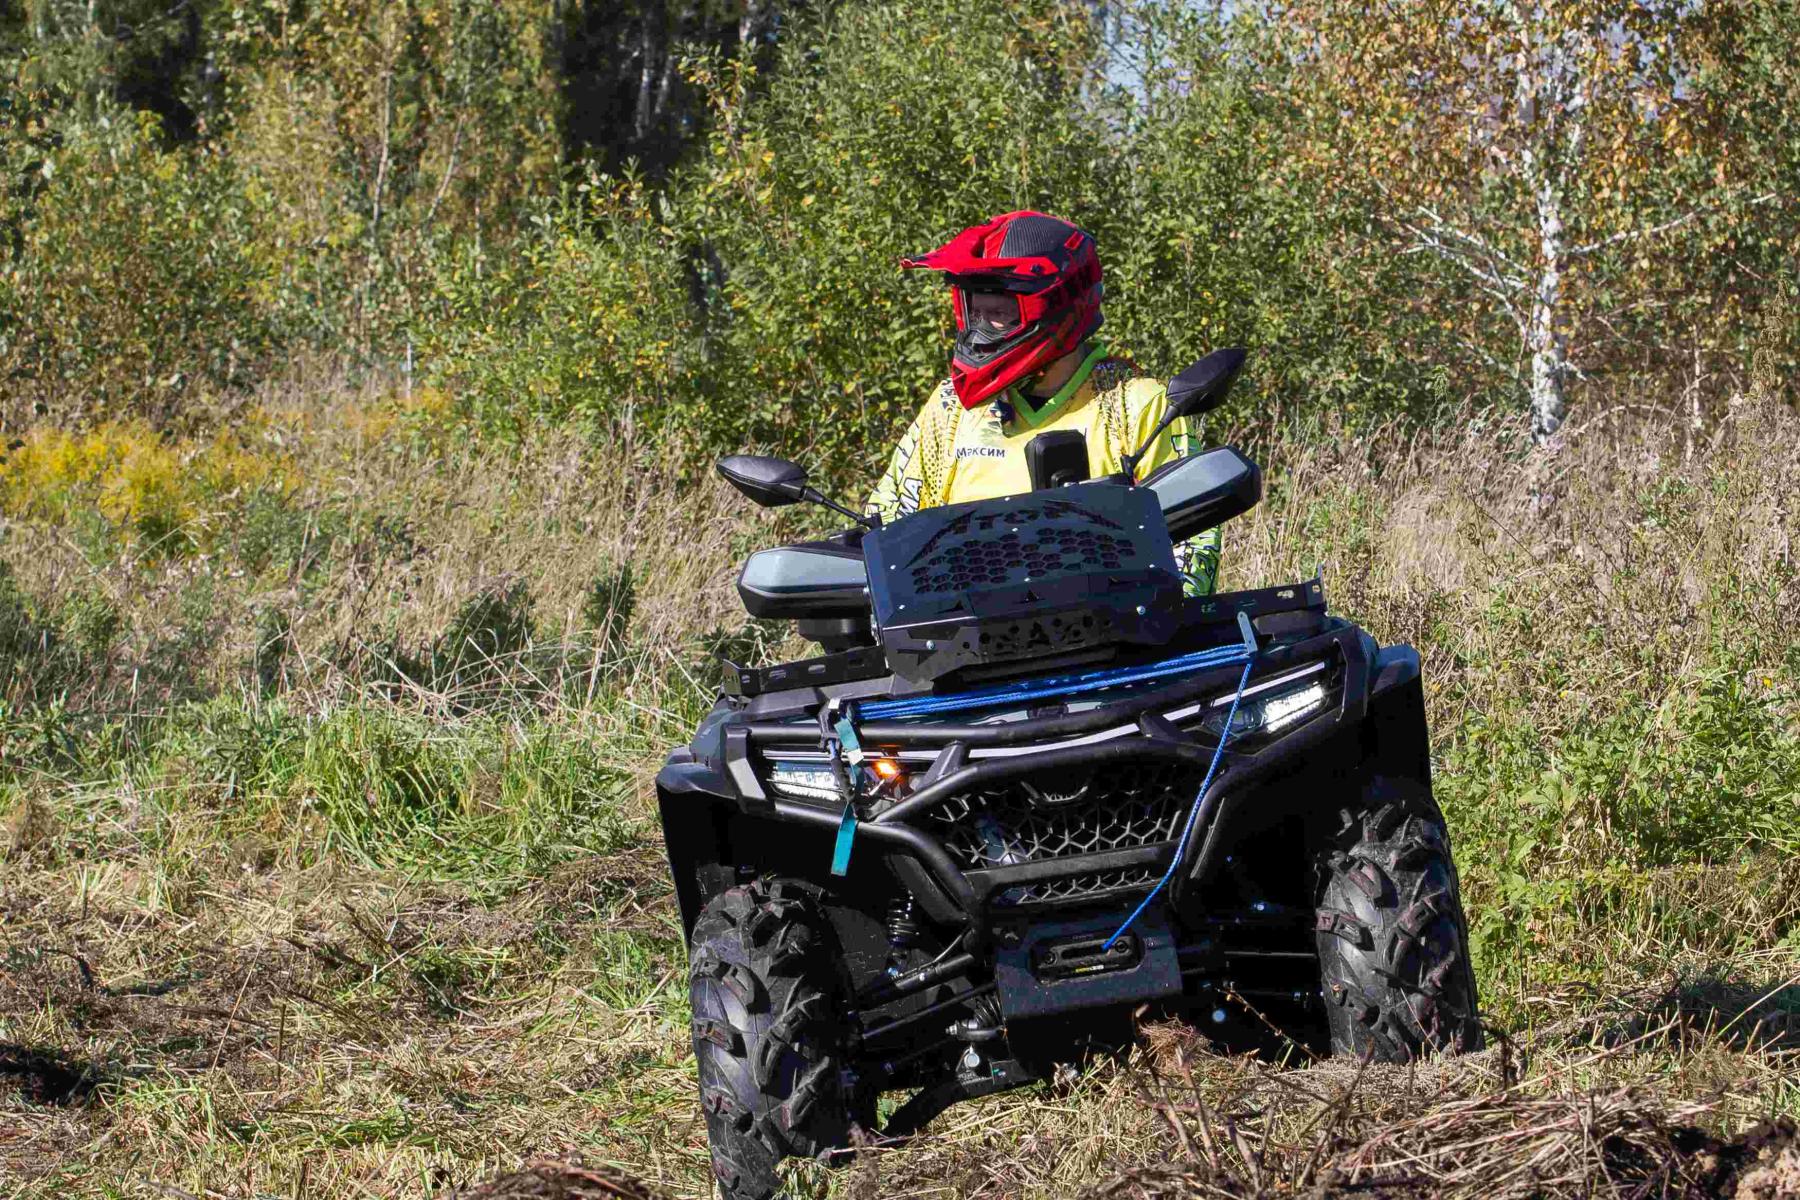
column 757, row 299
column 589, row 322
column 375, row 179
column 135, row 285
column 377, row 138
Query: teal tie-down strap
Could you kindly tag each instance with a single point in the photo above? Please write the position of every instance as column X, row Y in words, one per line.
column 846, row 837
column 847, row 743
column 846, row 736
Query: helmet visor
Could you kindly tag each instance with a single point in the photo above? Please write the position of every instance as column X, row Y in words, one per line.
column 991, row 315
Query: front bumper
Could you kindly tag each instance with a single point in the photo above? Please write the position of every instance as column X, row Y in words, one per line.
column 980, row 760
column 1142, row 731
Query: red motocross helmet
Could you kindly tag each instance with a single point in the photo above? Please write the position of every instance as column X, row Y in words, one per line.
column 1047, row 267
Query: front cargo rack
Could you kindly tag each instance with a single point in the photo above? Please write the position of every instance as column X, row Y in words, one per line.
column 868, row 662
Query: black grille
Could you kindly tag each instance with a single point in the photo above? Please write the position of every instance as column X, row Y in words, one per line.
column 1085, row 886
column 1013, row 557
column 1067, row 813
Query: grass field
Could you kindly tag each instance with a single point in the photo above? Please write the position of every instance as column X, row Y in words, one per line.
column 331, row 869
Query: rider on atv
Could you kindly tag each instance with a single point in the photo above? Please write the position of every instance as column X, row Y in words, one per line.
column 1026, row 291
column 1028, row 792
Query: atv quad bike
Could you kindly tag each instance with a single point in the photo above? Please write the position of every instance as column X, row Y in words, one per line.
column 1030, row 789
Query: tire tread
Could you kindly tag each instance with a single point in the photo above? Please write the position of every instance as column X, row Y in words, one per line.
column 1391, row 935
column 768, row 1033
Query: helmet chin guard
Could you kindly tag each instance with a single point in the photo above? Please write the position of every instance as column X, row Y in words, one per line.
column 1053, row 271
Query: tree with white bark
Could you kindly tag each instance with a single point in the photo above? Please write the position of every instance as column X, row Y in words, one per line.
column 1523, row 145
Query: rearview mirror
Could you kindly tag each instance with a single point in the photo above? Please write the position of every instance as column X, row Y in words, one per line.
column 1200, row 388
column 1204, row 386
column 771, row 482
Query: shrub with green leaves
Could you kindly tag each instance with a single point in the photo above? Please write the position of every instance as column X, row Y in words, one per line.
column 135, row 286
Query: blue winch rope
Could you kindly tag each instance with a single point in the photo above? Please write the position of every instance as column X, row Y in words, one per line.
column 1060, row 685
column 1187, row 830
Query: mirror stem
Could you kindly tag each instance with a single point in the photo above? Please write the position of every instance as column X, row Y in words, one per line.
column 1128, row 462
column 817, row 497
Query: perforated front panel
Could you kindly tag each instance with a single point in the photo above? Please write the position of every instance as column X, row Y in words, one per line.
column 1033, row 542
column 1079, row 889
column 1064, row 815
column 1020, row 577
column 1083, row 812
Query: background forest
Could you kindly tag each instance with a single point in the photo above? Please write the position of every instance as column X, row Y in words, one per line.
column 360, row 365
column 686, row 215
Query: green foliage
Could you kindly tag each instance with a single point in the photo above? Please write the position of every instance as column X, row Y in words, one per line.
column 383, row 786
column 26, row 141
column 147, row 55
column 272, row 533
column 170, row 225
column 588, row 321
column 1617, row 758
column 754, row 301
column 373, row 178
column 45, row 649
column 376, row 138
column 1220, row 234
column 757, row 293
column 274, row 648
column 135, row 286
column 486, row 631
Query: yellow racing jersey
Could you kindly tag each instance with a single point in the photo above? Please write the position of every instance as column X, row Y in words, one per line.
column 950, row 454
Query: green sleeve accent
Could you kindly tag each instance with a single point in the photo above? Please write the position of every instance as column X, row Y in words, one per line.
column 1198, row 558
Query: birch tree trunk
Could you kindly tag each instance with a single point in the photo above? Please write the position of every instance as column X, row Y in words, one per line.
column 753, row 24
column 1552, row 82
column 640, row 124
column 1527, row 144
column 1545, row 338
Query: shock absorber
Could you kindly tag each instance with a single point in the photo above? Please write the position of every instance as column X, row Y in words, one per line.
column 903, row 932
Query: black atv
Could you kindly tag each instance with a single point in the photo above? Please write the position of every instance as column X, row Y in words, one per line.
column 1030, row 790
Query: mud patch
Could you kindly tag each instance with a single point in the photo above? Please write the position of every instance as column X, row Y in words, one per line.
column 47, row 1076
column 1759, row 1165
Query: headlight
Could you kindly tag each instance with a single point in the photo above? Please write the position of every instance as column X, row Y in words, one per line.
column 816, row 781
column 1266, row 714
column 803, row 781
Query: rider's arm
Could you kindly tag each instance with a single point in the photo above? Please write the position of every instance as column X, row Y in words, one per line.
column 1198, row 557
column 914, row 477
